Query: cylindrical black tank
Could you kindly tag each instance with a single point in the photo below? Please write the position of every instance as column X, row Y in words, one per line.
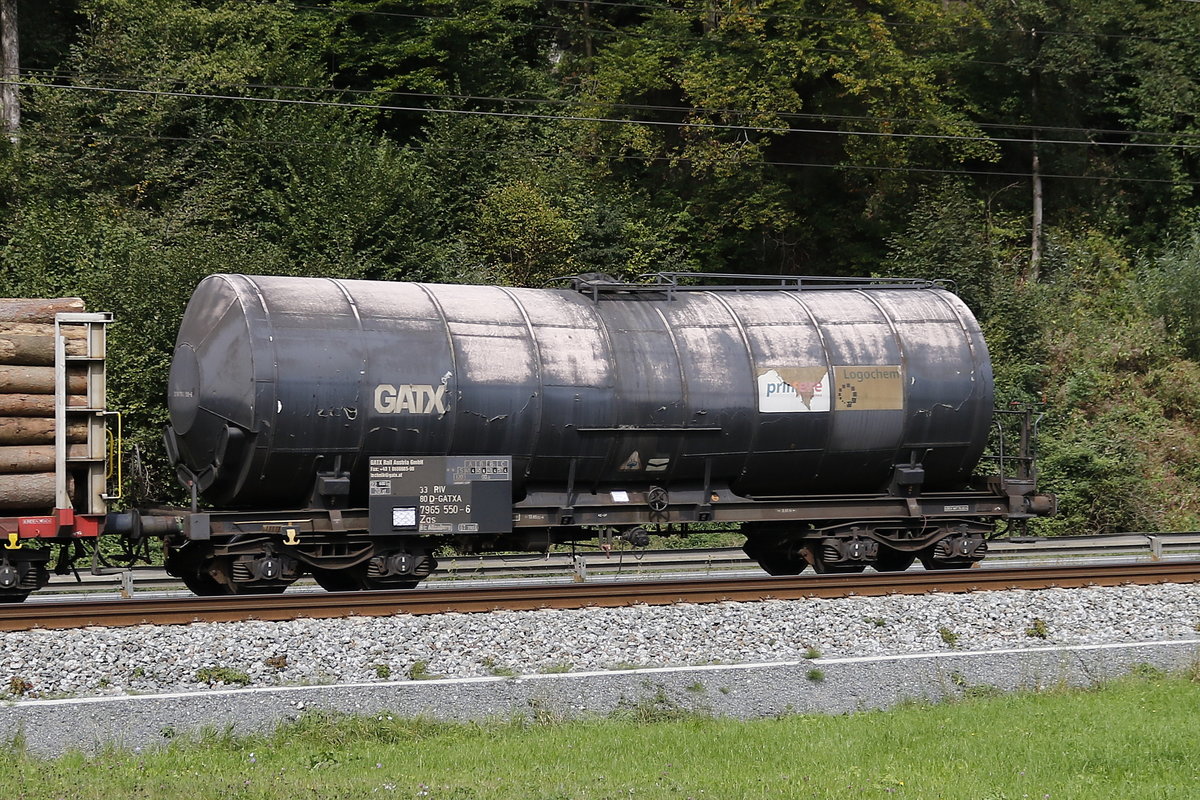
column 770, row 392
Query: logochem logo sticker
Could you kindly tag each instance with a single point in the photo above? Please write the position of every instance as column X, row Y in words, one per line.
column 875, row 388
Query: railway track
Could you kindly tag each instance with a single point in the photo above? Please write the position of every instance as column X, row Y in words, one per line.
column 643, row 564
column 434, row 600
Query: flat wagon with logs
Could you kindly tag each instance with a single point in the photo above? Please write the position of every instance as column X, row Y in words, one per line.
column 54, row 438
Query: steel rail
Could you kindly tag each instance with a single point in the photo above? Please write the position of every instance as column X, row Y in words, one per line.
column 699, row 560
column 184, row 610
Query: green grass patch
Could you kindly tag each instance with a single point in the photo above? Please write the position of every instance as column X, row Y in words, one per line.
column 1136, row 738
column 226, row 675
column 419, row 671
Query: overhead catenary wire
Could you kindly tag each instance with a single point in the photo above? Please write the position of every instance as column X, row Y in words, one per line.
column 602, row 120
column 58, row 75
column 629, row 157
column 384, row 107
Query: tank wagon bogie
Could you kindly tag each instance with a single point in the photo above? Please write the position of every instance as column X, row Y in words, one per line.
column 352, row 430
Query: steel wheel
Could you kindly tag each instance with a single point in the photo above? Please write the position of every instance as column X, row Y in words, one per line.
column 937, row 566
column 336, row 580
column 775, row 555
column 890, row 560
column 782, row 564
column 202, row 584
column 822, row 568
column 355, row 579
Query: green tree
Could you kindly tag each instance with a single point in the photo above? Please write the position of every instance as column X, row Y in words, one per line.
column 771, row 125
column 521, row 238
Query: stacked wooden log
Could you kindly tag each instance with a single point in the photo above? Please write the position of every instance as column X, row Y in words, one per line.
column 27, row 428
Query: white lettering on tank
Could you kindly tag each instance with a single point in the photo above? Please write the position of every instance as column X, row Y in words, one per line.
column 411, row 398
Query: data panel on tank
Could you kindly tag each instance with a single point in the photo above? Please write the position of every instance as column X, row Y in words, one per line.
column 440, row 494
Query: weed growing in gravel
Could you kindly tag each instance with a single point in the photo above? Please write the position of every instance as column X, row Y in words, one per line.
column 982, row 691
column 816, row 675
column 382, row 671
column 656, row 709
column 18, row 686
column 1146, row 672
column 561, row 666
column 1038, row 629
column 696, row 688
column 419, row 671
column 948, row 636
column 226, row 675
column 978, row 691
column 878, row 622
column 812, row 653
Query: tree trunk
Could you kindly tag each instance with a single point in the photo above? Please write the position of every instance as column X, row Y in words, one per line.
column 35, row 405
column 1035, row 236
column 34, row 458
column 40, row 329
column 37, row 430
column 37, row 310
column 27, row 491
column 10, row 95
column 35, row 351
column 1035, row 168
column 38, row 380
column 587, row 30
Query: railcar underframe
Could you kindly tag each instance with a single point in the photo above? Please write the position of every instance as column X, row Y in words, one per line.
column 222, row 552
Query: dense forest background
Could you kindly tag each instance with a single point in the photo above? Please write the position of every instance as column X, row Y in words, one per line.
column 516, row 140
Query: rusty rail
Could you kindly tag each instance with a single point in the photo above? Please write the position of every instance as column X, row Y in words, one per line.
column 183, row 610
column 644, row 563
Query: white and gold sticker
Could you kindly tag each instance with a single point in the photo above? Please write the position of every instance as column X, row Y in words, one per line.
column 852, row 388
column 877, row 388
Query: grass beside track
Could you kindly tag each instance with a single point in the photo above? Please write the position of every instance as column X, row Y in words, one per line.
column 1135, row 738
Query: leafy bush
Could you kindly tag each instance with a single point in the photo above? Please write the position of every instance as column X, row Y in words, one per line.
column 1172, row 286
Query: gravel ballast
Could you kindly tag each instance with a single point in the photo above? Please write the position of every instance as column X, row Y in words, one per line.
column 110, row 661
column 798, row 636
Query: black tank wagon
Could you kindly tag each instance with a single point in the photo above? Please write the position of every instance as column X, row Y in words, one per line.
column 351, row 428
